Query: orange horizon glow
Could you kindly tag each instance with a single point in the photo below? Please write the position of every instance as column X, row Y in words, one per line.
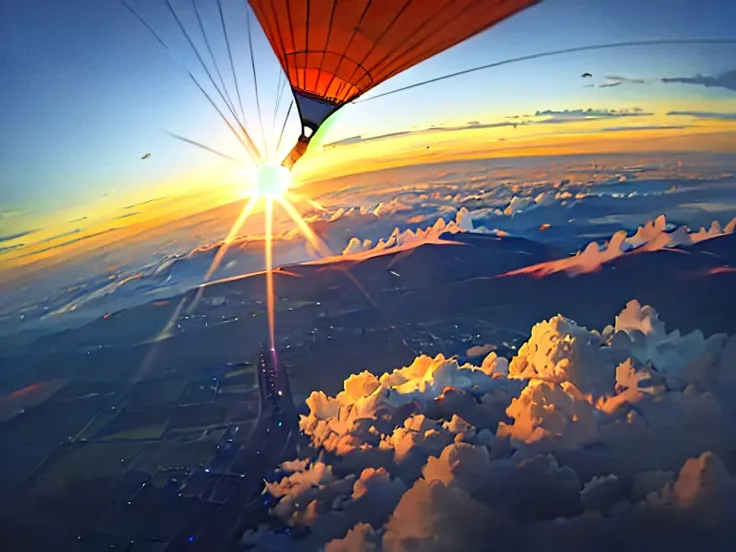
column 372, row 156
column 471, row 144
column 217, row 260
column 318, row 169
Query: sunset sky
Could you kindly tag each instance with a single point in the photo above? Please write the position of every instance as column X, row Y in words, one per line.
column 87, row 91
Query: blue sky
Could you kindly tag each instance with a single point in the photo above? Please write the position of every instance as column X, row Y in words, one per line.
column 87, row 91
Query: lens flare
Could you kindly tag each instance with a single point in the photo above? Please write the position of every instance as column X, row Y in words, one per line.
column 304, row 228
column 271, row 184
column 222, row 250
column 230, row 237
column 165, row 333
column 269, row 276
column 296, row 197
column 271, row 181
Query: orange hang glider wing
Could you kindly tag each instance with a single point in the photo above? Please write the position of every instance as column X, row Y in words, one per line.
column 332, row 51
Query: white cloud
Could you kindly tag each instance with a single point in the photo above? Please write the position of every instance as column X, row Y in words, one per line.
column 479, row 350
column 556, row 414
column 601, row 494
column 361, row 538
column 463, row 222
column 651, row 236
column 561, row 351
column 593, row 435
column 433, row 516
column 669, row 353
column 703, row 486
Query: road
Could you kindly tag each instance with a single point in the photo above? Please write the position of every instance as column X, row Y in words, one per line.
column 229, row 507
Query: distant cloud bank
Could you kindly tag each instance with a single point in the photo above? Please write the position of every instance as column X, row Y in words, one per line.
column 704, row 115
column 725, row 80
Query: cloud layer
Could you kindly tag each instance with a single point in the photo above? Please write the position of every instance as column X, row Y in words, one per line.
column 567, row 204
column 652, row 236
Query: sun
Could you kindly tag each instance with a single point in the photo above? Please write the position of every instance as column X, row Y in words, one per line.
column 270, row 185
column 272, row 181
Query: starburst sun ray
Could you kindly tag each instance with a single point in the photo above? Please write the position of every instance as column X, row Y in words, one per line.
column 297, row 197
column 313, row 239
column 222, row 250
column 270, row 299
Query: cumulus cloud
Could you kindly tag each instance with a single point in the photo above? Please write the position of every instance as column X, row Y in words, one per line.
column 433, row 515
column 651, row 236
column 511, row 199
column 560, row 351
column 600, row 432
column 343, row 212
column 725, row 80
column 463, row 222
column 703, row 486
column 479, row 350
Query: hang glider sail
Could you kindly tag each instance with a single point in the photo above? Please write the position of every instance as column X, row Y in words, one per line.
column 333, row 51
